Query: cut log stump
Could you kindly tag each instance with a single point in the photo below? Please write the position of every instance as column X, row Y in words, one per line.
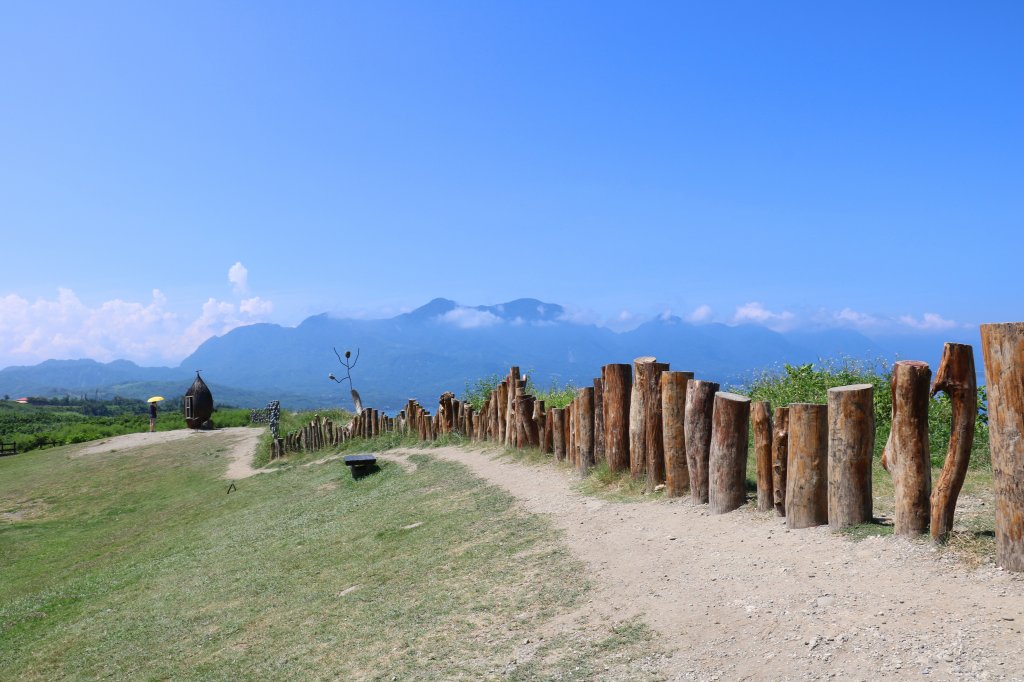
column 761, row 420
column 1003, row 349
column 673, row 411
column 727, row 466
column 807, row 469
column 700, row 404
column 851, row 445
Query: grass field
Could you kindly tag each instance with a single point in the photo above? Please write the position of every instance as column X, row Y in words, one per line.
column 138, row 565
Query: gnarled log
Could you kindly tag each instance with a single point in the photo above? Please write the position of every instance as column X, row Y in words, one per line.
column 957, row 379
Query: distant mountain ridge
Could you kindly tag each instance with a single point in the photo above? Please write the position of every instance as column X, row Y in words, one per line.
column 441, row 346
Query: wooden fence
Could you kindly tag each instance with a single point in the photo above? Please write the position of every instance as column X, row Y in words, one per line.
column 813, row 461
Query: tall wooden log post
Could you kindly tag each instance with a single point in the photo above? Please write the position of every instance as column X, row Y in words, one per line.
column 673, row 432
column 547, row 443
column 586, row 428
column 572, row 452
column 1003, row 348
column 618, row 384
column 599, row 455
column 567, row 431
column 727, row 466
column 528, row 435
column 906, row 456
column 807, row 470
column 851, row 446
column 956, row 378
column 647, row 448
column 558, row 433
column 539, row 421
column 697, row 422
column 499, row 411
column 637, row 436
column 761, row 420
column 513, row 384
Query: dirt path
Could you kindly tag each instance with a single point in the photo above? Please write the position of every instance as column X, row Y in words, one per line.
column 739, row 597
column 241, row 441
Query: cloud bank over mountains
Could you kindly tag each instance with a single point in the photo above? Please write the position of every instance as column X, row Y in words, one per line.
column 145, row 332
column 149, row 332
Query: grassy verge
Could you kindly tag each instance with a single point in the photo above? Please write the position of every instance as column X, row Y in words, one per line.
column 137, row 565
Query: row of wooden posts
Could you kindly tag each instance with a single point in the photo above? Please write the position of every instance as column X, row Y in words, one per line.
column 813, row 461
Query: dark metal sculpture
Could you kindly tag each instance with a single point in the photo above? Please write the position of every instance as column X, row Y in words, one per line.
column 348, row 376
column 197, row 405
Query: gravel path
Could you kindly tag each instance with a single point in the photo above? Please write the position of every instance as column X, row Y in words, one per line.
column 241, row 442
column 740, row 597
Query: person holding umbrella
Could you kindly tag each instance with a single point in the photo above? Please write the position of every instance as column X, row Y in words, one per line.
column 152, row 411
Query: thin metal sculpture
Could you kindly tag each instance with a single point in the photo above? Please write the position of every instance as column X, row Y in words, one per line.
column 348, row 376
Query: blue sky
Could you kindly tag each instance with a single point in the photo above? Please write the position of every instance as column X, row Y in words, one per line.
column 790, row 164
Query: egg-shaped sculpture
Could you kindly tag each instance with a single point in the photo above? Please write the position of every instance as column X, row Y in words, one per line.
column 197, row 405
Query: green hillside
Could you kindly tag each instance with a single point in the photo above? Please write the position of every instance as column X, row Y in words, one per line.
column 136, row 565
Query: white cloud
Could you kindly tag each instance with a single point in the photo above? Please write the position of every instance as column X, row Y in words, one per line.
column 701, row 313
column 928, row 322
column 756, row 313
column 145, row 332
column 238, row 275
column 579, row 316
column 469, row 318
column 256, row 307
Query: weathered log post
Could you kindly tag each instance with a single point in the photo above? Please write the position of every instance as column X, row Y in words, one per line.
column 761, row 420
column 513, row 386
column 727, row 465
column 807, row 470
column 780, row 456
column 539, row 422
column 599, row 455
column 618, row 384
column 586, row 428
column 956, row 378
column 571, row 452
column 499, row 408
column 558, row 433
column 697, row 422
column 547, row 443
column 851, row 445
column 906, row 456
column 673, row 431
column 637, row 435
column 646, row 447
column 1002, row 346
column 528, row 435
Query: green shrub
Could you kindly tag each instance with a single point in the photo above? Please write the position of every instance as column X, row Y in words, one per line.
column 810, row 383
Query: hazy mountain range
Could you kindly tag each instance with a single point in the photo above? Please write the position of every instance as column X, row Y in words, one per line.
column 442, row 345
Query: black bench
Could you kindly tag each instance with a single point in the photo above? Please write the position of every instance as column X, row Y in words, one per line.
column 8, row 449
column 361, row 465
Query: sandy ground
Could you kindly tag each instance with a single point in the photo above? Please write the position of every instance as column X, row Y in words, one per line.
column 740, row 597
column 241, row 441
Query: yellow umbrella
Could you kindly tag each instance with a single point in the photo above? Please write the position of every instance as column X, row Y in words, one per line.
column 155, row 399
